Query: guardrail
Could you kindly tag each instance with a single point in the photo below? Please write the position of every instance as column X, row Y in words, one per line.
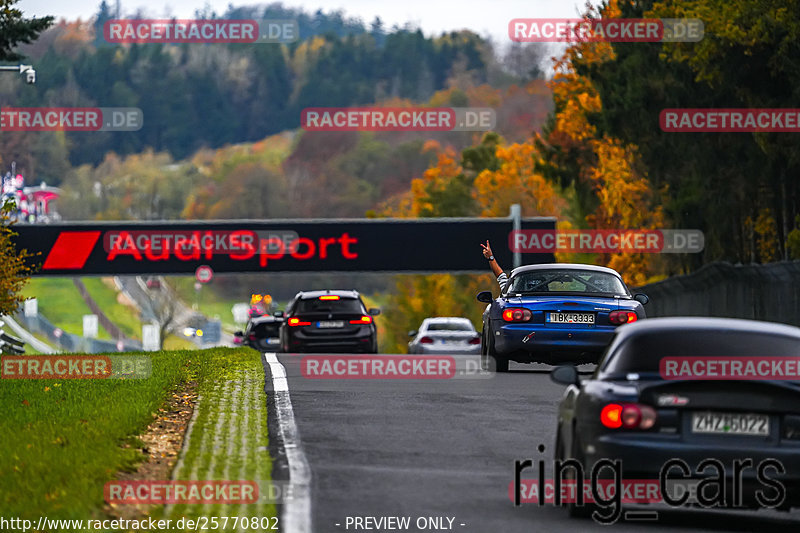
column 10, row 344
column 763, row 292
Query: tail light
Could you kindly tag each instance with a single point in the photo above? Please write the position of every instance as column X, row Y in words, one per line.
column 294, row 321
column 426, row 340
column 516, row 314
column 252, row 336
column 622, row 317
column 329, row 297
column 365, row 319
column 628, row 416
column 476, row 340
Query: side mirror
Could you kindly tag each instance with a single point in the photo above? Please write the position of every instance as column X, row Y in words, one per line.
column 485, row 297
column 641, row 298
column 565, row 375
column 412, row 333
column 238, row 334
column 374, row 311
column 278, row 314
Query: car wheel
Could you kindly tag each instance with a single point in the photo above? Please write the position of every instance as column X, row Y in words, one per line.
column 500, row 362
column 484, row 356
column 573, row 509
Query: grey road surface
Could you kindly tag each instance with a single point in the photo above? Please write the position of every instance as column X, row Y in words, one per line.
column 445, row 449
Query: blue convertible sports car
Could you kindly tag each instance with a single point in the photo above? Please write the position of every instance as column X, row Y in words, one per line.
column 555, row 313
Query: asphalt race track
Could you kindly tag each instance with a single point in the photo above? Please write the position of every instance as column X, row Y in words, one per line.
column 446, row 449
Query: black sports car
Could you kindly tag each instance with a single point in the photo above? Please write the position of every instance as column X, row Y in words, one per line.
column 697, row 391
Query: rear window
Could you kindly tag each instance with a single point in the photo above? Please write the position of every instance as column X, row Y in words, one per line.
column 342, row 305
column 566, row 281
column 642, row 354
column 269, row 329
column 450, row 326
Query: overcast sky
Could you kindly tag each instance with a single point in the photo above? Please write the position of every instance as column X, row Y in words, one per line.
column 433, row 16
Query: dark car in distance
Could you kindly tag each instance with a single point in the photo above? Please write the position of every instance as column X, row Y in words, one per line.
column 555, row 313
column 637, row 409
column 329, row 321
column 262, row 332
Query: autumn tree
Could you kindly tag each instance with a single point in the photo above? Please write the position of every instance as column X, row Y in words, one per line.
column 15, row 29
column 16, row 265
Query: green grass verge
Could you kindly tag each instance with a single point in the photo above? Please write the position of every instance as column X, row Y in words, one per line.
column 229, row 436
column 123, row 316
column 61, row 303
column 64, row 439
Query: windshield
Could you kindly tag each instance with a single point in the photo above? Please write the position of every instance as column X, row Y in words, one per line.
column 450, row 326
column 343, row 305
column 643, row 354
column 566, row 281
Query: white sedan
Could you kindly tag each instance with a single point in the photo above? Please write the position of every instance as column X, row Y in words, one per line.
column 445, row 335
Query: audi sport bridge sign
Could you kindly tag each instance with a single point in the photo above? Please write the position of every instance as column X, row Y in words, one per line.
column 341, row 245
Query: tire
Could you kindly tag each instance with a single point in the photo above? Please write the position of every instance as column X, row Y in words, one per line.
column 573, row 509
column 484, row 356
column 500, row 362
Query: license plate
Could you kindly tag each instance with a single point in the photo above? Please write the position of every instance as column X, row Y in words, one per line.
column 730, row 423
column 330, row 324
column 570, row 318
column 273, row 340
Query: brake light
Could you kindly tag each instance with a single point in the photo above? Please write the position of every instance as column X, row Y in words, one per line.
column 329, row 297
column 297, row 322
column 365, row 319
column 426, row 340
column 252, row 336
column 516, row 314
column 611, row 416
column 628, row 416
column 622, row 317
column 476, row 340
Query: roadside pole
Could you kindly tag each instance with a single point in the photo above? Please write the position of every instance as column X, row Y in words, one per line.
column 516, row 221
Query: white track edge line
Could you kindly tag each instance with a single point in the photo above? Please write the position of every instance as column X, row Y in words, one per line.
column 297, row 508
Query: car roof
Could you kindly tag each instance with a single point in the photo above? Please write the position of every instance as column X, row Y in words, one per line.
column 446, row 319
column 316, row 294
column 563, row 266
column 263, row 318
column 684, row 324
